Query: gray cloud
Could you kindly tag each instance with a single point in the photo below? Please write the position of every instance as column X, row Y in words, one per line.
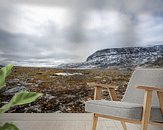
column 137, row 6
column 75, row 32
column 137, row 23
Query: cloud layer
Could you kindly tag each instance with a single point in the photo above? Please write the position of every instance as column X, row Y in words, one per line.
column 36, row 32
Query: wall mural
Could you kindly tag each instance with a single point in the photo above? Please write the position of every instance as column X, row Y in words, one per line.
column 57, row 47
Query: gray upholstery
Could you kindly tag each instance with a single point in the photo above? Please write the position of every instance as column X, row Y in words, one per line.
column 113, row 108
column 132, row 103
column 125, row 110
column 147, row 77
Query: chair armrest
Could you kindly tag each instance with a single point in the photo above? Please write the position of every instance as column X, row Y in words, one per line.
column 93, row 84
column 98, row 89
column 148, row 88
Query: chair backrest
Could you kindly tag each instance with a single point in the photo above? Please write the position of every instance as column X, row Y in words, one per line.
column 147, row 77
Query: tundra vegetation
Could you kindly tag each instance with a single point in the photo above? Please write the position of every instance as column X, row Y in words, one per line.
column 64, row 90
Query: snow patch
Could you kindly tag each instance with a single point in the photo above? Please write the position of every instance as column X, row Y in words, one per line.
column 68, row 74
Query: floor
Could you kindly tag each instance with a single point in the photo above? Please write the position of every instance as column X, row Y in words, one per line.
column 57, row 121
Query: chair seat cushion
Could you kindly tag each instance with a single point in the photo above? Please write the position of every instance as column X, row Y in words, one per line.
column 125, row 110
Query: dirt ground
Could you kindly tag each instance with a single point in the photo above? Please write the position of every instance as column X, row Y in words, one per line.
column 64, row 90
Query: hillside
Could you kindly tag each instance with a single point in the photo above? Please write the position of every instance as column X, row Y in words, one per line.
column 128, row 57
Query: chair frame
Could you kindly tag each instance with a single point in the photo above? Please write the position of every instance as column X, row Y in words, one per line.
column 145, row 121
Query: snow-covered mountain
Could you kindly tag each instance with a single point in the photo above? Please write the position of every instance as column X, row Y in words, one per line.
column 128, row 57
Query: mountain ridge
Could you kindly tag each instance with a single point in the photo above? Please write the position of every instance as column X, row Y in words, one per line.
column 127, row 57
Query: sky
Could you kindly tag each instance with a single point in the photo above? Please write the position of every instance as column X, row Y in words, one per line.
column 52, row 32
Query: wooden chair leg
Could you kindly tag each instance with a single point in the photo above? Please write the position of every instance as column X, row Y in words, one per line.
column 112, row 94
column 97, row 94
column 94, row 122
column 124, row 125
column 160, row 98
column 146, row 110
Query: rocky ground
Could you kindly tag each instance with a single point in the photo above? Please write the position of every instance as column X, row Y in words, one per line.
column 63, row 90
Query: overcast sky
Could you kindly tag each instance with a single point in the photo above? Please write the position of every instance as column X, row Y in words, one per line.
column 50, row 32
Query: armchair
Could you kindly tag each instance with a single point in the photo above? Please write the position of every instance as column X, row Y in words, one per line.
column 138, row 107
